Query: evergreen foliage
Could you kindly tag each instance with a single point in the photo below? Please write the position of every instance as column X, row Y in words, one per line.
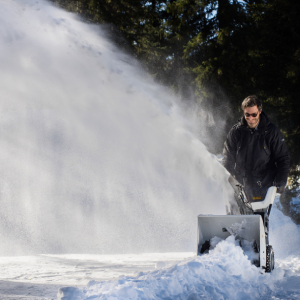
column 214, row 49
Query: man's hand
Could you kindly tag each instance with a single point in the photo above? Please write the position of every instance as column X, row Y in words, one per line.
column 280, row 188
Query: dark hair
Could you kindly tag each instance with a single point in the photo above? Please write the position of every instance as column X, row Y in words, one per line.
column 251, row 101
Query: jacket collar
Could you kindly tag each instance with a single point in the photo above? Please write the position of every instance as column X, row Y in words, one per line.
column 262, row 125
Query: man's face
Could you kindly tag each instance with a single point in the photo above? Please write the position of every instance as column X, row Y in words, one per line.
column 248, row 113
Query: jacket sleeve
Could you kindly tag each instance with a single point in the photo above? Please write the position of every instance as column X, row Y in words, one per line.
column 229, row 152
column 281, row 158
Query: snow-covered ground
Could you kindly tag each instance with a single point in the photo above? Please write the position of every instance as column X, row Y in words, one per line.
column 224, row 273
column 39, row 277
column 290, row 204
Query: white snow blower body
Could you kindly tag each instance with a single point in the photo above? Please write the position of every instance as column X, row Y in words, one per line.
column 247, row 222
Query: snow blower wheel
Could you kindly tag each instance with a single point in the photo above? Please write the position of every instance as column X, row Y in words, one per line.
column 270, row 264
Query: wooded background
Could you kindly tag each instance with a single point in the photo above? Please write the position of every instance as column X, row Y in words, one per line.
column 215, row 52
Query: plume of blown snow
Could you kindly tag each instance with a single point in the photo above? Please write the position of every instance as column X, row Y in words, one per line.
column 95, row 157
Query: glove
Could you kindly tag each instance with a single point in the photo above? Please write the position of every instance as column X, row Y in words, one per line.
column 280, row 188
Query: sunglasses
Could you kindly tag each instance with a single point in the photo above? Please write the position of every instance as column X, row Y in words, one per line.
column 253, row 115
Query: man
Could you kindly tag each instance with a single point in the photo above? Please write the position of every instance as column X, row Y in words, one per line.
column 255, row 153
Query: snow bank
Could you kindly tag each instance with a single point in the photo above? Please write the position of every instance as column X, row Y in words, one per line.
column 225, row 273
column 284, row 234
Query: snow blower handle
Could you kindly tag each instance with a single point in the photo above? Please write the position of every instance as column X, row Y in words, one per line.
column 269, row 199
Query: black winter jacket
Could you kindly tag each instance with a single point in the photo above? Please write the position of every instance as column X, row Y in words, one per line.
column 257, row 158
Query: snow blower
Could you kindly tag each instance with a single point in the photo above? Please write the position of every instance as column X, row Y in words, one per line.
column 248, row 222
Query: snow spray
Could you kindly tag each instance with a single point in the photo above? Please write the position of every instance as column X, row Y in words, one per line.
column 94, row 156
